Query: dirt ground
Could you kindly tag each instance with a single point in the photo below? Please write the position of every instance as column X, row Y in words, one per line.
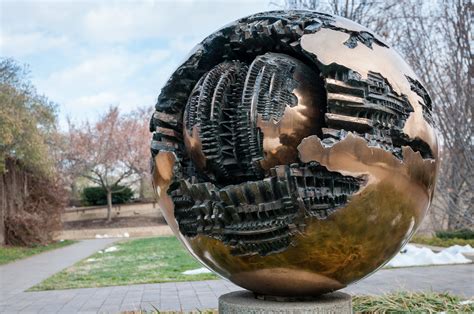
column 118, row 222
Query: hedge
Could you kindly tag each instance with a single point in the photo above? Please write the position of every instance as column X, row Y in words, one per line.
column 466, row 234
column 96, row 195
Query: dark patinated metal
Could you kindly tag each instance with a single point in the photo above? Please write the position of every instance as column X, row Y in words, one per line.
column 294, row 152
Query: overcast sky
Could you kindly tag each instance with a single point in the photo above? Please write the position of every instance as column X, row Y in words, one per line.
column 87, row 55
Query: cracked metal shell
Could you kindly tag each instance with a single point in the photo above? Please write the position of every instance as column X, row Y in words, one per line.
column 294, row 152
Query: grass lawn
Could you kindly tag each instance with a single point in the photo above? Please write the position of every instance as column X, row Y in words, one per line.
column 403, row 302
column 435, row 241
column 138, row 261
column 12, row 253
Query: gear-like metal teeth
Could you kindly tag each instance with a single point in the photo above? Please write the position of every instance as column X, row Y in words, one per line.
column 379, row 138
column 247, row 145
column 279, row 94
column 264, row 212
column 372, row 98
column 232, row 86
column 322, row 191
column 213, row 141
column 371, row 109
column 192, row 107
column 214, row 105
column 267, row 92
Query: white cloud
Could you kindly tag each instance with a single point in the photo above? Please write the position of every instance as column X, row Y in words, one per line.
column 126, row 21
column 158, row 56
column 24, row 44
column 118, row 23
column 94, row 101
column 90, row 107
column 126, row 100
column 101, row 71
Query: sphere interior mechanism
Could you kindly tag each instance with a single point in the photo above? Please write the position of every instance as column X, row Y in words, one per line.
column 294, row 152
column 241, row 121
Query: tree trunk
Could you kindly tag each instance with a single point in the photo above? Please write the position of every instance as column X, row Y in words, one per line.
column 142, row 188
column 109, row 205
column 3, row 205
column 453, row 218
column 75, row 199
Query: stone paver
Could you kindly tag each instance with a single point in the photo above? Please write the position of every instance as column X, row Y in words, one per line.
column 188, row 296
column 20, row 275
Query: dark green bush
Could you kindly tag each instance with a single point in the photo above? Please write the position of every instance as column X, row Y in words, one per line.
column 466, row 234
column 96, row 195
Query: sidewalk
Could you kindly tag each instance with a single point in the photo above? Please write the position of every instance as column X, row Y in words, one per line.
column 18, row 276
column 456, row 279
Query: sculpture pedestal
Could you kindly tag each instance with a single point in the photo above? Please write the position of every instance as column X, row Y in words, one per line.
column 246, row 302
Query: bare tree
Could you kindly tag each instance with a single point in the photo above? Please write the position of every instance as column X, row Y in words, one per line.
column 439, row 48
column 434, row 37
column 372, row 14
column 101, row 153
column 137, row 142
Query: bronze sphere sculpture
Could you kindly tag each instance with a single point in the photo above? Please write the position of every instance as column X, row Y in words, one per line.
column 294, row 152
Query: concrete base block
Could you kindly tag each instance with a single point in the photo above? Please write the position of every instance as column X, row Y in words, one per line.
column 245, row 302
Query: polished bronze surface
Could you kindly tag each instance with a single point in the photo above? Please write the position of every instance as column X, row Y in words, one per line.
column 294, row 153
column 281, row 137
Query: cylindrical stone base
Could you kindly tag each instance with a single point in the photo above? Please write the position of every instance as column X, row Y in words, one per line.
column 245, row 302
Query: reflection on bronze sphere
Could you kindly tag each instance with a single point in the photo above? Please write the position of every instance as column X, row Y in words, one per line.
column 294, row 152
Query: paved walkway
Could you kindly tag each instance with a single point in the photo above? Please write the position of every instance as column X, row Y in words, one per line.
column 184, row 296
column 18, row 276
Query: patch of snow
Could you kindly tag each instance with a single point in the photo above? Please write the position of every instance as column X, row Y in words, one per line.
column 119, row 235
column 198, row 271
column 111, row 249
column 455, row 249
column 90, row 260
column 100, row 252
column 466, row 302
column 102, row 236
column 62, row 240
column 412, row 255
